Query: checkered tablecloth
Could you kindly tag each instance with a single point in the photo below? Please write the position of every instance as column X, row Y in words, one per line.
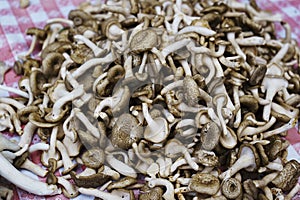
column 13, row 42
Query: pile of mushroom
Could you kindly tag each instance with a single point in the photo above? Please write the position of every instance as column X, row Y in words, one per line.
column 173, row 99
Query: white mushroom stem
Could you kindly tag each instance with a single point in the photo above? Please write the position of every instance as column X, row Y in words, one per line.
column 60, row 20
column 85, row 97
column 251, row 41
column 57, row 107
column 38, row 147
column 189, row 132
column 220, row 101
column 245, row 160
column 174, row 47
column 185, row 122
column 169, row 194
column 171, row 86
column 149, row 161
column 99, row 194
column 231, row 38
column 293, row 192
column 121, row 167
column 13, row 116
column 34, row 168
column 69, row 133
column 91, row 63
column 9, row 172
column 67, row 161
column 169, row 116
column 265, row 180
column 69, row 188
column 51, row 153
column 89, row 126
column 110, row 172
column 280, row 54
column 255, row 130
column 271, row 86
column 186, row 67
column 292, row 123
column 10, row 101
column 205, row 50
column 96, row 50
column 197, row 29
column 274, row 166
column 27, row 135
column 109, row 102
column 6, row 144
column 268, row 192
column 32, row 45
column 14, row 90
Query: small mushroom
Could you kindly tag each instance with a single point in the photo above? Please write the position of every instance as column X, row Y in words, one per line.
column 90, row 181
column 288, row 177
column 157, row 129
column 126, row 131
column 210, row 135
column 93, row 158
column 204, row 183
column 174, row 147
column 248, row 159
column 231, row 188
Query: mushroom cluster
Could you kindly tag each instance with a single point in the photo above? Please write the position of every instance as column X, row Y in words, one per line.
column 173, row 99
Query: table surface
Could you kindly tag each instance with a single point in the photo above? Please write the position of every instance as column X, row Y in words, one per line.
column 13, row 42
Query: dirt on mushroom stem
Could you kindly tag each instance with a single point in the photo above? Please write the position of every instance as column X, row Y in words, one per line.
column 163, row 81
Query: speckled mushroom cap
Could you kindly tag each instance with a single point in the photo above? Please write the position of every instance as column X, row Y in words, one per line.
column 210, row 136
column 256, row 155
column 126, row 131
column 288, row 177
column 204, row 183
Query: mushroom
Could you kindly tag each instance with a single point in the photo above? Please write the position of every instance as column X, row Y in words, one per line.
column 169, row 193
column 204, row 183
column 99, row 193
column 288, row 177
column 9, row 172
column 157, row 129
column 126, row 131
column 210, row 135
column 248, row 159
column 231, row 188
column 174, row 147
column 90, row 181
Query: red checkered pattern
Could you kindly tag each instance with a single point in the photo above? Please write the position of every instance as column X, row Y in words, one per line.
column 13, row 42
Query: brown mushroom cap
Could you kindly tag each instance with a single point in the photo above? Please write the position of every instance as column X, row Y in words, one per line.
column 231, row 188
column 191, row 91
column 204, row 183
column 210, row 135
column 93, row 158
column 39, row 33
column 250, row 188
column 154, row 194
column 36, row 81
column 79, row 17
column 288, row 177
column 143, row 41
column 126, row 131
column 122, row 183
column 52, row 63
column 93, row 181
column 258, row 75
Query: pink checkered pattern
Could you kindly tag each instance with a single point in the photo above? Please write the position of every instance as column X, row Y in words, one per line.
column 13, row 42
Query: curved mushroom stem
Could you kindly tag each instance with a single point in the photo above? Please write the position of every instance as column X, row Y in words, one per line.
column 197, row 29
column 292, row 123
column 220, row 101
column 34, row 168
column 87, row 123
column 67, row 162
column 121, row 167
column 38, row 147
column 14, row 90
column 57, row 107
column 27, row 135
column 169, row 194
column 245, row 160
column 32, row 46
column 69, row 133
column 171, row 86
column 60, row 20
column 255, row 130
column 91, row 63
column 9, row 172
column 97, row 50
column 232, row 40
column 6, row 144
column 68, row 187
column 13, row 116
column 186, row 67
